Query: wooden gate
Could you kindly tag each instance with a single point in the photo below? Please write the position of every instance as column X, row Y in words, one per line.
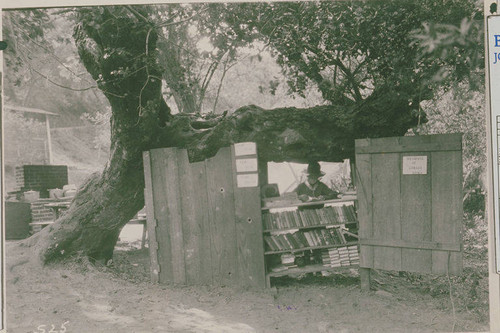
column 410, row 203
column 204, row 218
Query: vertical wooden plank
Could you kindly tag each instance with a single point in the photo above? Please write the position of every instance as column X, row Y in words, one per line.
column 386, row 191
column 199, row 178
column 249, row 239
column 191, row 230
column 162, row 232
column 365, row 218
column 222, row 224
column 416, row 222
column 174, row 215
column 447, row 211
column 151, row 218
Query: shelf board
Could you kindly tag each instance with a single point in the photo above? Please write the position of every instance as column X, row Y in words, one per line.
column 311, row 248
column 287, row 204
column 312, row 226
column 308, row 269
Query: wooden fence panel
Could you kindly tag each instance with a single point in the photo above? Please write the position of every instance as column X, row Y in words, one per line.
column 221, row 216
column 386, row 210
column 200, row 203
column 416, row 221
column 151, row 218
column 249, row 241
column 162, row 232
column 175, row 215
column 410, row 203
column 447, row 210
column 365, row 217
column 191, row 229
column 208, row 229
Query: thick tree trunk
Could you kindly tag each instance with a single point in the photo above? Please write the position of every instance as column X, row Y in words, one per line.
column 117, row 47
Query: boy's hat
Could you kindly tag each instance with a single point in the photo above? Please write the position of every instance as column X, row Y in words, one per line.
column 314, row 169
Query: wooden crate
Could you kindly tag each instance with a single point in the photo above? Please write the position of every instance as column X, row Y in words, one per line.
column 203, row 228
column 410, row 203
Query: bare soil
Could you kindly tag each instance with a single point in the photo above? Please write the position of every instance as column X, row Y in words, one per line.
column 78, row 297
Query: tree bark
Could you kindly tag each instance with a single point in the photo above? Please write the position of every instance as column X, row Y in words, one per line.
column 118, row 49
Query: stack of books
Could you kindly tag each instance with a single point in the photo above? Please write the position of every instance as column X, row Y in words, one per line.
column 353, row 254
column 309, row 217
column 287, row 262
column 340, row 257
column 344, row 256
column 331, row 258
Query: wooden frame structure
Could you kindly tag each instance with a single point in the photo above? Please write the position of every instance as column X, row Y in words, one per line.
column 410, row 204
column 47, row 123
column 204, row 219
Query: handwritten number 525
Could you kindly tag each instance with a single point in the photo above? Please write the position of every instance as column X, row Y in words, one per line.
column 41, row 328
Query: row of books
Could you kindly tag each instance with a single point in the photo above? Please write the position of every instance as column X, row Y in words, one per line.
column 302, row 239
column 309, row 217
column 341, row 256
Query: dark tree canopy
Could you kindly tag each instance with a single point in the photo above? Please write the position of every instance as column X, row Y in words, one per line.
column 360, row 56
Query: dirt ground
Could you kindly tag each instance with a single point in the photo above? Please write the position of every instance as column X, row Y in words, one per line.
column 78, row 297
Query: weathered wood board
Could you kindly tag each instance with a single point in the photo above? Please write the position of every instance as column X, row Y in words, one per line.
column 410, row 203
column 208, row 229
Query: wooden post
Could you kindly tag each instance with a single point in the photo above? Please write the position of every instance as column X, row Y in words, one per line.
column 364, row 274
column 49, row 141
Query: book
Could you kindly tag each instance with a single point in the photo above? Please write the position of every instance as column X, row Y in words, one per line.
column 340, row 235
column 287, row 259
column 286, row 243
column 301, row 237
column 277, row 239
column 317, row 241
column 270, row 243
column 292, row 241
column 309, row 238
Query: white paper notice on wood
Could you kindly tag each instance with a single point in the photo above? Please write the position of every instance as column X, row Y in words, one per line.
column 245, row 148
column 246, row 164
column 249, row 180
column 414, row 165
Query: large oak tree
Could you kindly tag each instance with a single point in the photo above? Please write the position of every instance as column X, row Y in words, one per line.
column 361, row 57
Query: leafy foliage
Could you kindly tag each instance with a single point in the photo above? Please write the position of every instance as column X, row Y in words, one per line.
column 43, row 69
column 460, row 110
column 23, row 29
column 352, row 50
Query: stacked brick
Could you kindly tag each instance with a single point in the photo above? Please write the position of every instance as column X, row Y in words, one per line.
column 41, row 178
column 40, row 213
column 19, row 178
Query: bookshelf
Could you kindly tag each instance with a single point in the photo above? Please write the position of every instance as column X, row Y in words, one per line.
column 309, row 237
